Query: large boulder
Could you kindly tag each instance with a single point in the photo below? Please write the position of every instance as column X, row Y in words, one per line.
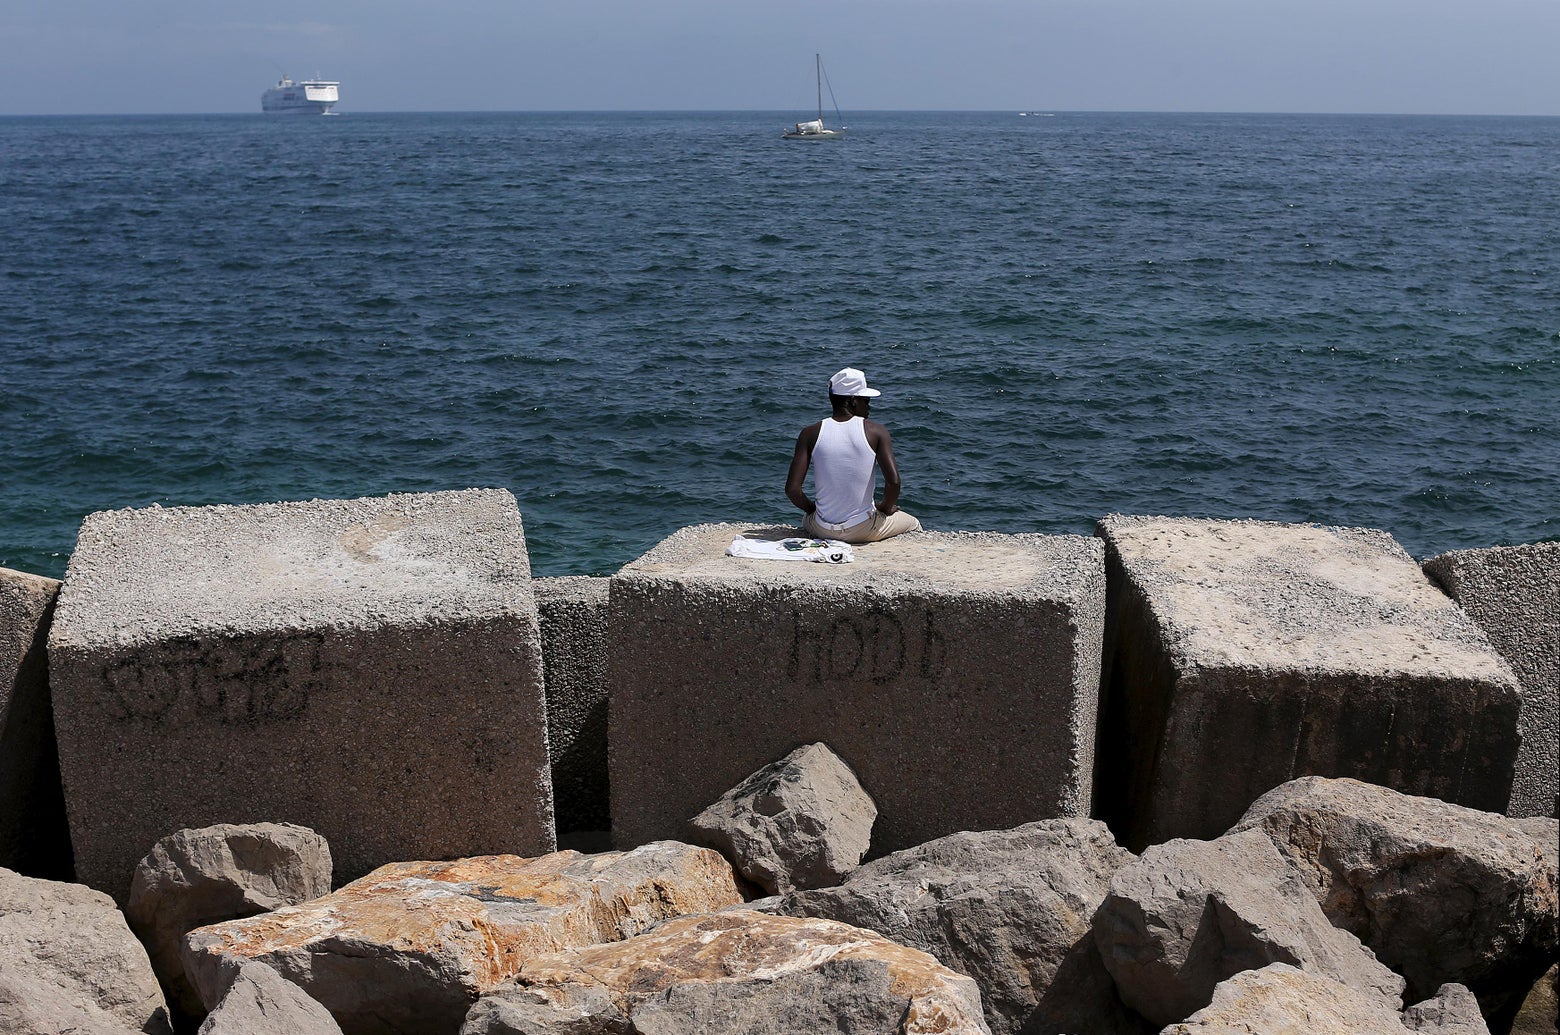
column 1009, row 908
column 802, row 822
column 411, row 946
column 1283, row 1000
column 734, row 972
column 262, row 1002
column 1439, row 892
column 225, row 872
column 68, row 963
column 1186, row 915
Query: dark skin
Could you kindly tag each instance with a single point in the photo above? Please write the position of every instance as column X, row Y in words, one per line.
column 845, row 407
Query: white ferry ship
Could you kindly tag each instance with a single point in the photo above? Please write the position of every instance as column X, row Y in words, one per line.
column 309, row 97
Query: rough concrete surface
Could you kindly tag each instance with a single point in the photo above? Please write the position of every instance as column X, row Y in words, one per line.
column 573, row 613
column 368, row 668
column 1243, row 654
column 1513, row 592
column 956, row 673
column 33, row 835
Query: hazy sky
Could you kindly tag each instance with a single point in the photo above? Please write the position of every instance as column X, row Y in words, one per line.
column 174, row 56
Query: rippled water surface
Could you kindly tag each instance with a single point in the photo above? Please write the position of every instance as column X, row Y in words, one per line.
column 625, row 319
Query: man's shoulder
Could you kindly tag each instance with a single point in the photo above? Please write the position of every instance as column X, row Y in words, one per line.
column 810, row 432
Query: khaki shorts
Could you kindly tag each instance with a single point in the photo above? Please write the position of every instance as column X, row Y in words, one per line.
column 877, row 526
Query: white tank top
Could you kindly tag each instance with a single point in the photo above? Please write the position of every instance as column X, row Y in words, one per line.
column 843, row 464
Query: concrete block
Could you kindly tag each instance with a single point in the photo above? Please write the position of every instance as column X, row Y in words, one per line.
column 33, row 836
column 1513, row 593
column 370, row 669
column 573, row 613
column 956, row 673
column 1244, row 654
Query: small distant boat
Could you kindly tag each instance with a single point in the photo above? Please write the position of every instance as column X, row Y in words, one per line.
column 309, row 97
column 816, row 130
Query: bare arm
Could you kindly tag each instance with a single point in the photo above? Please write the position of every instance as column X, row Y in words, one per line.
column 800, row 461
column 883, row 446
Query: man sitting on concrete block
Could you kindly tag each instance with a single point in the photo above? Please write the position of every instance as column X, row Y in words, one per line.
column 843, row 450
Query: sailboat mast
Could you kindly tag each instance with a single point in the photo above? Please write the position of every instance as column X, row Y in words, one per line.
column 818, row 71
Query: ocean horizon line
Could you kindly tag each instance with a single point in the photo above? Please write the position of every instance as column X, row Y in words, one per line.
column 1033, row 110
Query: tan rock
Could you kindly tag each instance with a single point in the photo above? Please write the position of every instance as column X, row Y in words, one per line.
column 1283, row 1000
column 737, row 971
column 411, row 946
column 1540, row 1010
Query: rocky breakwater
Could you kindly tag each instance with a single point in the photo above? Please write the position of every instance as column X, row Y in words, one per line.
column 1333, row 907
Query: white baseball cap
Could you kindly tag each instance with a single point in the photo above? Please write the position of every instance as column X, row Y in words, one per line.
column 851, row 381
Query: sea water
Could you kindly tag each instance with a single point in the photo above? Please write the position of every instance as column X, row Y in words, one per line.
column 626, row 318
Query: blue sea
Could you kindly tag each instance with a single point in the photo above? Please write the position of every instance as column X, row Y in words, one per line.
column 626, row 318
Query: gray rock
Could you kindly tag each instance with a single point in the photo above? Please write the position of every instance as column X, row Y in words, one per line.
column 1513, row 593
column 1453, row 1010
column 802, row 822
column 1187, row 915
column 1009, row 908
column 262, row 1002
column 225, row 872
column 1279, row 999
column 68, row 962
column 573, row 616
column 1281, row 651
column 33, row 835
column 1439, row 892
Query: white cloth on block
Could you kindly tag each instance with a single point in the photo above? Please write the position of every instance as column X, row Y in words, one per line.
column 822, row 551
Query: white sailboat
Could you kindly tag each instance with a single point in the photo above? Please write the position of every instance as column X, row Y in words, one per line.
column 815, row 129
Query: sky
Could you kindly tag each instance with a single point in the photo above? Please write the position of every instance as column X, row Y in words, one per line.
column 1376, row 56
